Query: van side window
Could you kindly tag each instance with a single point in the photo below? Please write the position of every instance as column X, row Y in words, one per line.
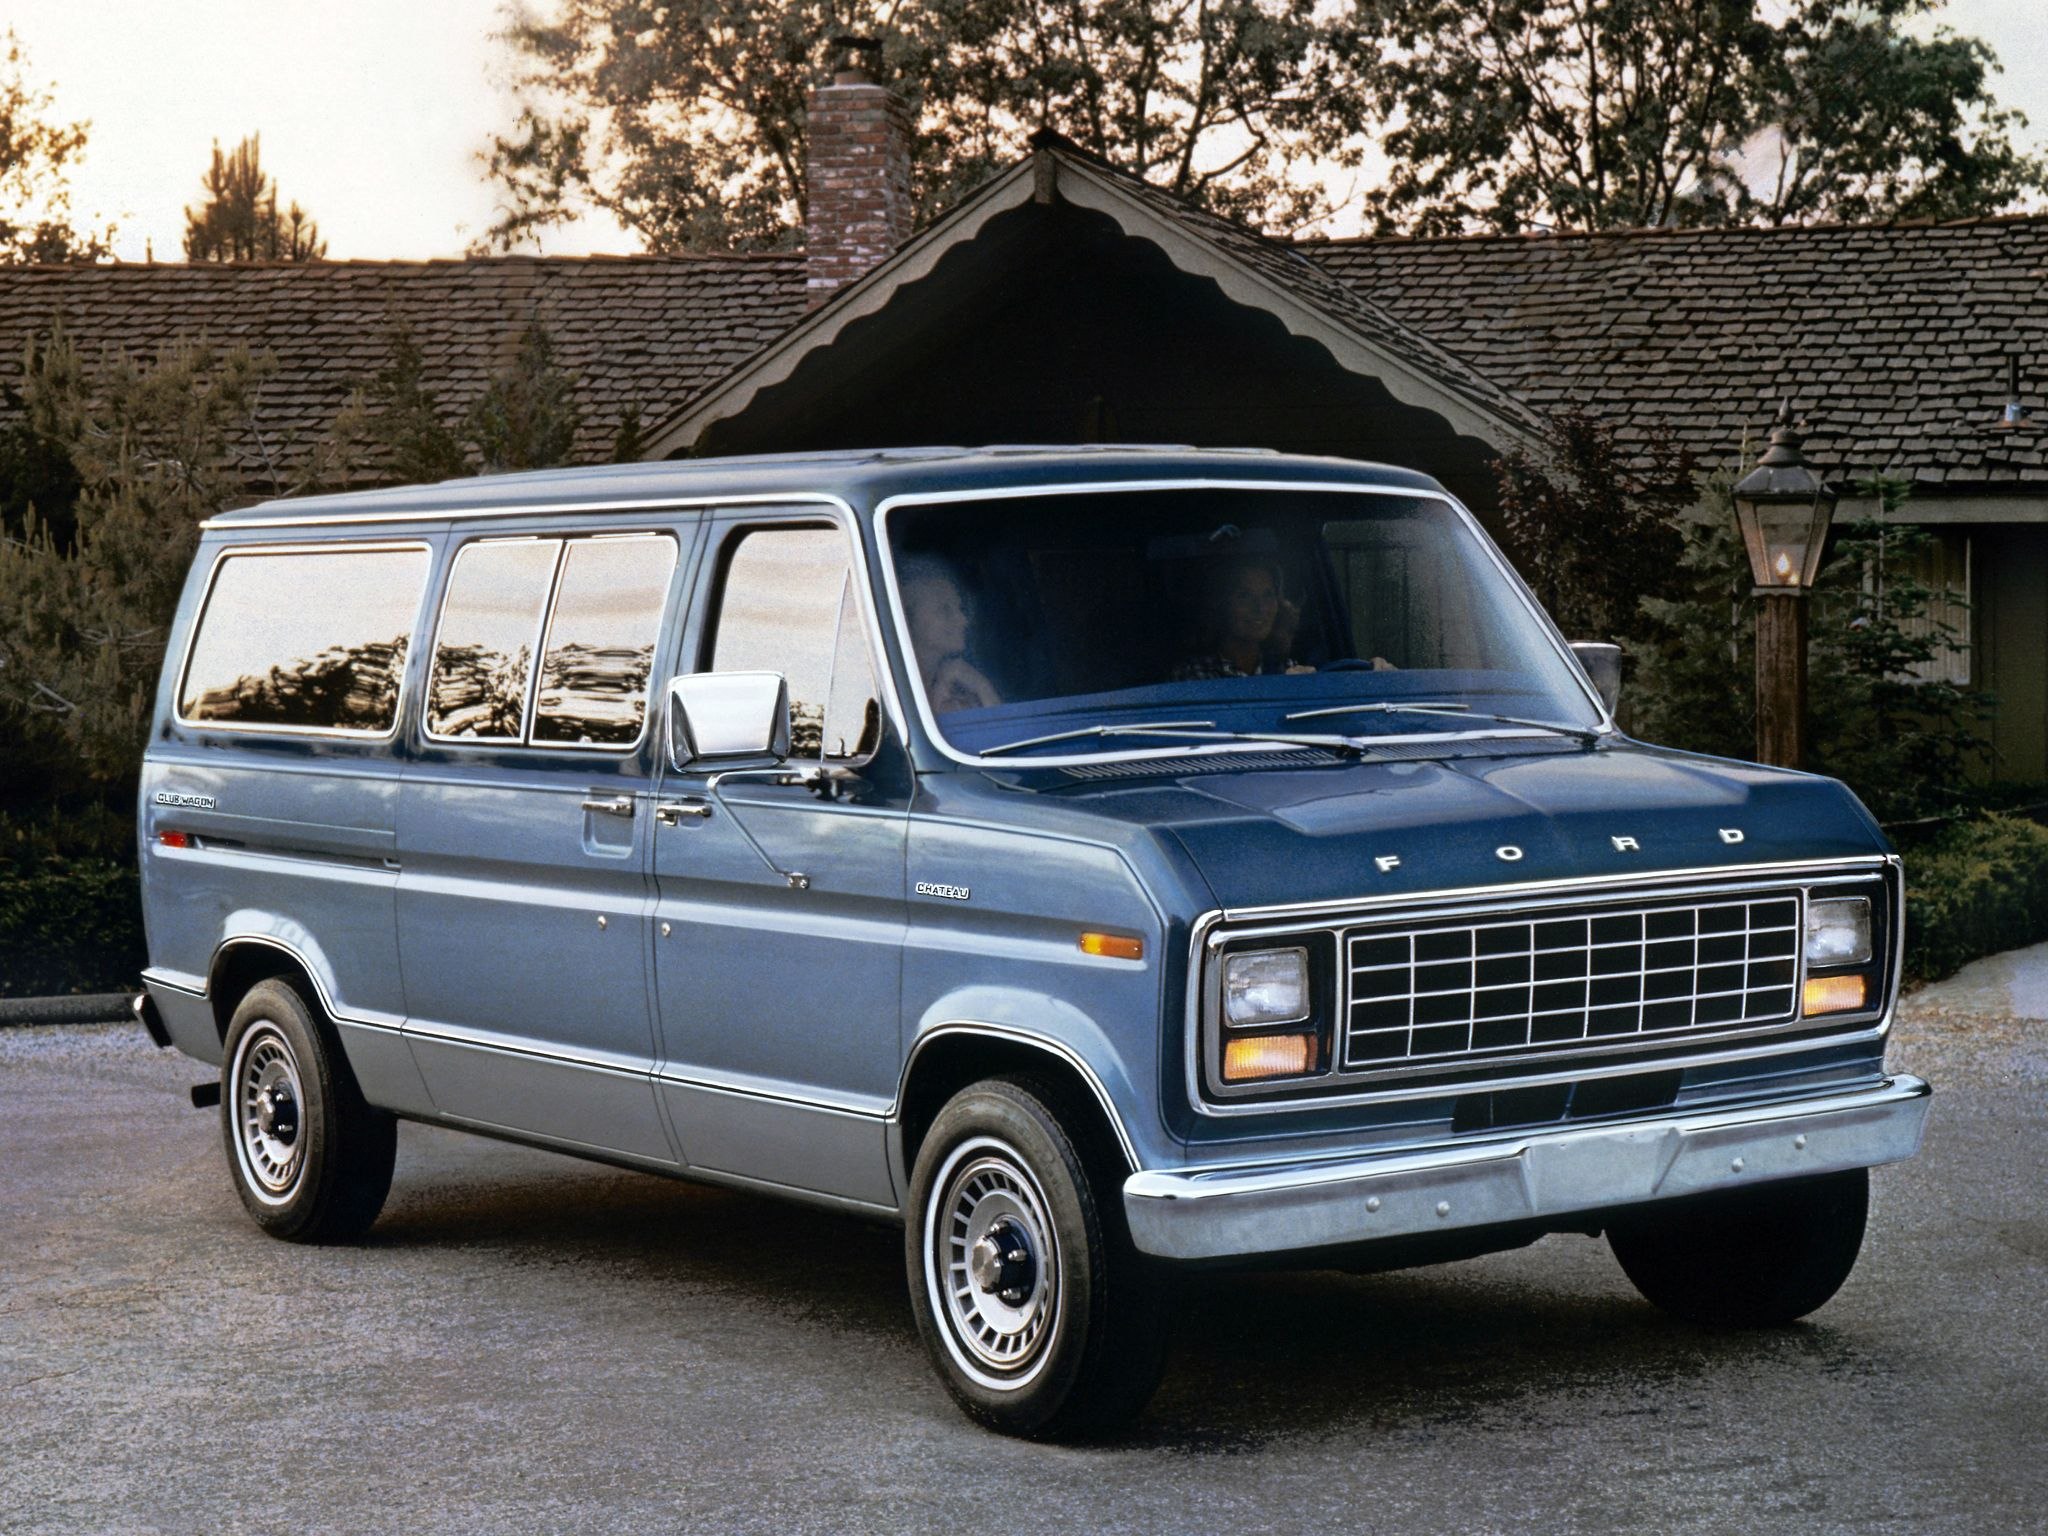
column 789, row 605
column 309, row 639
column 490, row 628
column 600, row 647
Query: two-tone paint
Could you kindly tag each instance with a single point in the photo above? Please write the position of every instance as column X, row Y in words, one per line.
column 562, row 945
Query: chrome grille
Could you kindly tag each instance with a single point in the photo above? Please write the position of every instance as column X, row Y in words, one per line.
column 1557, row 978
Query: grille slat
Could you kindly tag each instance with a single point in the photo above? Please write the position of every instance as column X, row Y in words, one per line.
column 1446, row 991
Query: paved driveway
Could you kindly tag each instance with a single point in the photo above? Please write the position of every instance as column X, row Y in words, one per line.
column 532, row 1343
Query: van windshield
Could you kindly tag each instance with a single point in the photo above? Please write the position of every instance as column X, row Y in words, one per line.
column 1090, row 617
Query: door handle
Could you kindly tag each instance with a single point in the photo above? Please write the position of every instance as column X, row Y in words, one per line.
column 670, row 813
column 621, row 805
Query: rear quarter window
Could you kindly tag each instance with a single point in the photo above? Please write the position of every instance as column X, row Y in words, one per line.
column 311, row 639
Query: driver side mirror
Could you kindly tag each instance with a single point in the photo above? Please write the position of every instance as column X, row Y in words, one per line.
column 718, row 715
column 1603, row 667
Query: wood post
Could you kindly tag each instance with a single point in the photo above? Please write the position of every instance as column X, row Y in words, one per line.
column 1781, row 678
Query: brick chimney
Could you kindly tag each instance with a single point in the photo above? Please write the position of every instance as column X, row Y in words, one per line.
column 859, row 206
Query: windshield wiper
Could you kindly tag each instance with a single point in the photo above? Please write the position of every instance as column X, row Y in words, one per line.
column 1184, row 730
column 1461, row 711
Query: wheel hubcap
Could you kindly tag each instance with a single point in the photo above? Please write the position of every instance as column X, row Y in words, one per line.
column 994, row 1263
column 267, row 1099
column 1001, row 1261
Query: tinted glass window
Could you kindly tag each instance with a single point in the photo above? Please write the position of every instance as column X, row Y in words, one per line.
column 483, row 651
column 789, row 606
column 314, row 640
column 1162, row 620
column 600, row 647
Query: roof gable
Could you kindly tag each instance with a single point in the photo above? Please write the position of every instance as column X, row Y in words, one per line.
column 1249, row 269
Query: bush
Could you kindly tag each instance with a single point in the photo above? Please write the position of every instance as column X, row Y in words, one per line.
column 70, row 904
column 69, row 925
column 1972, row 889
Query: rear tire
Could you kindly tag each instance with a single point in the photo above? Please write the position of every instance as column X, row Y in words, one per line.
column 1752, row 1259
column 310, row 1159
column 1038, row 1314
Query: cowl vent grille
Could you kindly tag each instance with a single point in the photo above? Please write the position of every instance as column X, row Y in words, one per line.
column 1177, row 768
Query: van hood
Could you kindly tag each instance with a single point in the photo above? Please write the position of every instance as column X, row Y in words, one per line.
column 1281, row 836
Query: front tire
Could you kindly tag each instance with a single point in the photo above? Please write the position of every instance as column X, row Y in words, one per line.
column 1040, row 1317
column 1753, row 1259
column 311, row 1160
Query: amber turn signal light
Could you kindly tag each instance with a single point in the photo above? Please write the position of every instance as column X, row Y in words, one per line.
column 1112, row 946
column 1835, row 994
column 1251, row 1057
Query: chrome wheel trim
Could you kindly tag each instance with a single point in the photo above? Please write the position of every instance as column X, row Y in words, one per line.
column 270, row 1162
column 985, row 1187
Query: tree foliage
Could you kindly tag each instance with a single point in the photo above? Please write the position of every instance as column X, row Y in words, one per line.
column 1514, row 115
column 1906, row 741
column 1591, row 526
column 397, row 414
column 527, row 416
column 684, row 119
column 83, row 622
column 36, row 153
column 238, row 219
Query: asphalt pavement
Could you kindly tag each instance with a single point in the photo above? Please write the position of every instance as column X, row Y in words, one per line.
column 531, row 1343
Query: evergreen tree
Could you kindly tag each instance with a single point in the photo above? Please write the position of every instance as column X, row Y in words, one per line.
column 238, row 218
column 1591, row 527
column 399, row 415
column 83, row 622
column 527, row 417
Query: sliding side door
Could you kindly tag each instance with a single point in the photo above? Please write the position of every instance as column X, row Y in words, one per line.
column 524, row 903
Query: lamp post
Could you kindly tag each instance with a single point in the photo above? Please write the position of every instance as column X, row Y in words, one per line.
column 1785, row 510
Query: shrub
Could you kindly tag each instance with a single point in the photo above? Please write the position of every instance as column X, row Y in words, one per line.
column 69, row 925
column 1973, row 888
column 70, row 904
column 1910, row 748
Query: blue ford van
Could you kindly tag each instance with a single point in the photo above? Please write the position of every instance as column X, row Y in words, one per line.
column 1098, row 861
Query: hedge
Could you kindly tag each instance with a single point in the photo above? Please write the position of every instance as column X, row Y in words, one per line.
column 69, row 925
column 1972, row 889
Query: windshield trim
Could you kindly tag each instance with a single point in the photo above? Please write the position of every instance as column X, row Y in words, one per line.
column 938, row 738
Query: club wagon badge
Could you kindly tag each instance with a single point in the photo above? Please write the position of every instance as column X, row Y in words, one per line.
column 184, row 801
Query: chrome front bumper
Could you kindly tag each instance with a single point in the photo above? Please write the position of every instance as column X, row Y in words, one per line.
column 1214, row 1213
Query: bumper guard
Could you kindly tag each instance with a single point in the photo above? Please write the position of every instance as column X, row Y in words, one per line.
column 1320, row 1202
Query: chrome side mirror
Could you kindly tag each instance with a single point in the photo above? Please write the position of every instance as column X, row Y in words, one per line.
column 1603, row 667
column 713, row 716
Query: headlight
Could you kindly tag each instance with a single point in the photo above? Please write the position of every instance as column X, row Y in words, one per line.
column 1838, row 931
column 1265, row 986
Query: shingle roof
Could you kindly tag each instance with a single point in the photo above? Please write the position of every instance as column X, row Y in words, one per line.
column 638, row 330
column 1890, row 339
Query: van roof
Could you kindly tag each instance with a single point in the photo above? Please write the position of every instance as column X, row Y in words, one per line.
column 861, row 476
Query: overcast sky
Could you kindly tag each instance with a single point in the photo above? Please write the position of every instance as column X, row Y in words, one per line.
column 373, row 111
